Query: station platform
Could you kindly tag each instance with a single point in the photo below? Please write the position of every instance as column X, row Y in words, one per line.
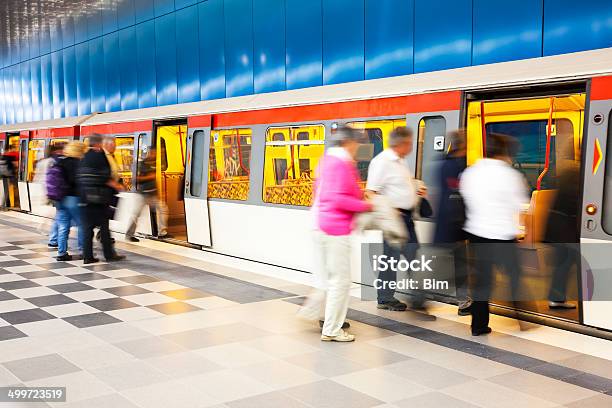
column 178, row 327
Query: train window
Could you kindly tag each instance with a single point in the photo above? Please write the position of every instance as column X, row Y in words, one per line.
column 606, row 210
column 377, row 136
column 290, row 162
column 36, row 152
column 531, row 156
column 229, row 164
column 197, row 163
column 124, row 157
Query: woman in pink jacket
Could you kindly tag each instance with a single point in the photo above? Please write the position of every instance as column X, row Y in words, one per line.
column 338, row 198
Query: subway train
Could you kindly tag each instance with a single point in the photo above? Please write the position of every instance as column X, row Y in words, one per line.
column 237, row 173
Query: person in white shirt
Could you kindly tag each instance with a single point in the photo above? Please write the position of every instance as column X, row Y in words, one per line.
column 389, row 174
column 494, row 194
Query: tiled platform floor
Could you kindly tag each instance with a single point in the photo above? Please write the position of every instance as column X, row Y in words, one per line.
column 152, row 333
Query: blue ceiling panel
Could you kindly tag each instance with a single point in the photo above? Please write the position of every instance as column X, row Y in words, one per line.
column 343, row 41
column 97, row 75
column 165, row 59
column 128, row 71
column 126, row 15
column 57, row 76
column 111, row 64
column 570, row 26
column 238, row 47
column 212, row 49
column 269, row 45
column 304, row 43
column 145, row 52
column 507, row 30
column 81, row 52
column 442, row 34
column 36, row 95
column 187, row 55
column 70, row 82
column 389, row 47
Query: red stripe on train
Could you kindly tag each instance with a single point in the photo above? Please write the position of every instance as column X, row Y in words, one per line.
column 435, row 102
column 601, row 88
column 118, row 128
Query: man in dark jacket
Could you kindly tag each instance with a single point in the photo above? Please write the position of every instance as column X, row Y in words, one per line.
column 96, row 188
column 451, row 215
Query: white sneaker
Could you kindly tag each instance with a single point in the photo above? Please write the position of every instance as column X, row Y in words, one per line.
column 343, row 337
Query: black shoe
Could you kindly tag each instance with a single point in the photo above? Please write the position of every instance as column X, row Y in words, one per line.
column 478, row 332
column 50, row 245
column 115, row 258
column 464, row 312
column 65, row 257
column 393, row 305
column 90, row 261
column 132, row 239
column 345, row 325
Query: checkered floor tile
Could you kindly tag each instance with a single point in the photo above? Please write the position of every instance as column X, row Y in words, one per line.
column 35, row 287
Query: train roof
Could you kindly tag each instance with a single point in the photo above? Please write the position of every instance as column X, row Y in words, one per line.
column 46, row 124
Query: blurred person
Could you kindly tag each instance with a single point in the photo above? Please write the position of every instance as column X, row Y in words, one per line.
column 451, row 215
column 9, row 163
column 338, row 198
column 389, row 175
column 494, row 194
column 562, row 232
column 97, row 189
column 109, row 145
column 40, row 177
column 146, row 185
column 68, row 208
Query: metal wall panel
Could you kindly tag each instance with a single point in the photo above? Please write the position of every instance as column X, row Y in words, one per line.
column 442, row 34
column 80, row 28
column 55, row 35
column 44, row 39
column 36, row 91
column 111, row 64
column 343, row 41
column 163, row 7
column 144, row 10
column 83, row 86
column 67, row 24
column 47, row 86
column 187, row 55
column 506, row 30
column 389, row 38
column 212, row 49
column 145, row 51
column 34, row 46
column 57, row 76
column 97, row 75
column 165, row 58
column 304, row 39
column 2, row 95
column 109, row 16
column 70, row 81
column 127, row 68
column 178, row 4
column 26, row 96
column 8, row 102
column 269, row 45
column 125, row 14
column 571, row 26
column 18, row 105
column 94, row 23
column 238, row 15
column 24, row 49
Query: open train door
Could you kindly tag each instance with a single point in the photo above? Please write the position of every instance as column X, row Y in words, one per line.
column 596, row 213
column 196, row 181
column 22, row 172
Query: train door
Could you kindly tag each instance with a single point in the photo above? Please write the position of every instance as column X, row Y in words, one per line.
column 36, row 153
column 23, row 172
column 549, row 132
column 196, row 184
column 596, row 209
column 171, row 141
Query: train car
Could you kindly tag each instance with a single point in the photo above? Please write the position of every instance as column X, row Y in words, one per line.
column 237, row 173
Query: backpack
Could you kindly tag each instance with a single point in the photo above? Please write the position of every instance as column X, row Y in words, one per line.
column 57, row 187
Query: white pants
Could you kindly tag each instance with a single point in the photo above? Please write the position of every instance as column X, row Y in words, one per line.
column 333, row 281
column 157, row 205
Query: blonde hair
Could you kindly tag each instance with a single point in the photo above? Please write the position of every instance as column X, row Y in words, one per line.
column 75, row 149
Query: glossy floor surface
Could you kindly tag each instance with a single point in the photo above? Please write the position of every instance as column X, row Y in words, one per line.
column 163, row 329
